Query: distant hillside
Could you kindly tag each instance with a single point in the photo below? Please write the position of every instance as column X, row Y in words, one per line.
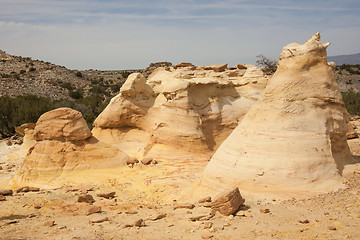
column 23, row 75
column 28, row 88
column 345, row 59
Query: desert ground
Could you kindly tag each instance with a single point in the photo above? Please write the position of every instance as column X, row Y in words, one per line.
column 56, row 213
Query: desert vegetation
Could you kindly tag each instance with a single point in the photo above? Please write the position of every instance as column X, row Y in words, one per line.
column 351, row 68
column 352, row 101
column 15, row 111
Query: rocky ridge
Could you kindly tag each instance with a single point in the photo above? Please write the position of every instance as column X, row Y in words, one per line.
column 23, row 75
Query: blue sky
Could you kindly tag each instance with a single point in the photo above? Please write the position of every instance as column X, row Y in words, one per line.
column 130, row 34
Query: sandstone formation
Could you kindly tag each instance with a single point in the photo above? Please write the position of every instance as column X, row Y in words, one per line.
column 65, row 150
column 293, row 139
column 27, row 130
column 62, row 124
column 179, row 112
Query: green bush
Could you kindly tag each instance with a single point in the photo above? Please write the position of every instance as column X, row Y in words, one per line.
column 352, row 101
column 68, row 86
column 98, row 89
column 19, row 110
column 116, row 87
column 32, row 69
column 16, row 76
column 94, row 105
column 125, row 74
column 95, row 82
column 15, row 111
column 78, row 74
column 77, row 94
column 351, row 68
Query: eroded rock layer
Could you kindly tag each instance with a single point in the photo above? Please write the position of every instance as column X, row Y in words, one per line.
column 180, row 111
column 293, row 139
column 64, row 145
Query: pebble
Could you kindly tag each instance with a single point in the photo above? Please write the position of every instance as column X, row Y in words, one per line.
column 303, row 221
column 93, row 209
column 49, row 223
column 11, row 222
column 132, row 161
column 200, row 218
column 208, row 225
column 2, row 198
column 332, row 228
column 188, row 206
column 264, row 210
column 22, row 189
column 207, row 236
column 146, row 161
column 86, row 198
column 99, row 219
column 158, row 217
column 140, row 223
column 241, row 213
column 131, row 212
column 106, row 195
column 7, row 192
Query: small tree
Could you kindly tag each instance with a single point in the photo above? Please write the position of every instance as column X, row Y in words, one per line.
column 270, row 65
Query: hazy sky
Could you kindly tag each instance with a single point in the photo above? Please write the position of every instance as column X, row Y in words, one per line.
column 130, row 34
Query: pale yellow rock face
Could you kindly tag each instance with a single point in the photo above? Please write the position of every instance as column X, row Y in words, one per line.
column 180, row 111
column 293, row 139
column 64, row 151
column 48, row 162
column 63, row 124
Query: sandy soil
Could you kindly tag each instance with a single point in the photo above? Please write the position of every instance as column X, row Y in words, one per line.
column 30, row 215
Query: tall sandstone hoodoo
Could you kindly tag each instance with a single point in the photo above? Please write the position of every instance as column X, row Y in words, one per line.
column 182, row 112
column 65, row 151
column 293, row 139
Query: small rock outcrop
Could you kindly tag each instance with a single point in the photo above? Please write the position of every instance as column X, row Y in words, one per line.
column 293, row 139
column 153, row 66
column 65, row 150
